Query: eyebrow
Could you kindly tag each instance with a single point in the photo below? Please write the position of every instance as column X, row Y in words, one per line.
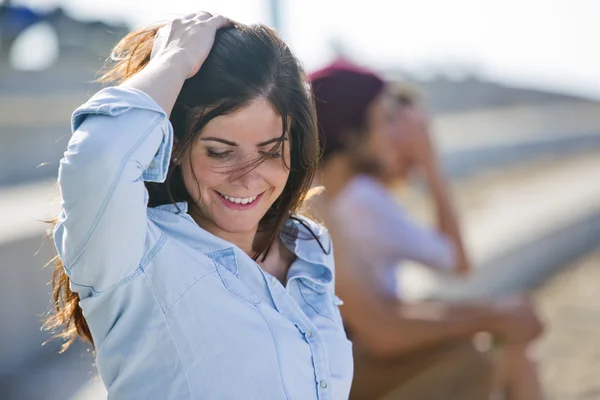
column 230, row 143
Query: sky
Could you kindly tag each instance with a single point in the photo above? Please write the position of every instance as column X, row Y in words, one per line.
column 548, row 44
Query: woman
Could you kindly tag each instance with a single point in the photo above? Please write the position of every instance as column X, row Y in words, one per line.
column 402, row 350
column 368, row 196
column 182, row 257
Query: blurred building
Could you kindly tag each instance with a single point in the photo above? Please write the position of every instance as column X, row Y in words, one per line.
column 35, row 105
column 447, row 95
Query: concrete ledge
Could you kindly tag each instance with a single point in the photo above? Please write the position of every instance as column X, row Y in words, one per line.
column 519, row 228
column 522, row 269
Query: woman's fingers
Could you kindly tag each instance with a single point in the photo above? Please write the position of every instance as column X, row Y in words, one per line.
column 189, row 39
column 160, row 40
column 203, row 16
column 220, row 21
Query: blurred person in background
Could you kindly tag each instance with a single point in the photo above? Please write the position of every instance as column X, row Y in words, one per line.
column 181, row 254
column 402, row 350
column 415, row 154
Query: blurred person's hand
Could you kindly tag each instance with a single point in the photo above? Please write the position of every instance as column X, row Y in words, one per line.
column 518, row 322
column 186, row 42
column 414, row 149
column 418, row 120
column 416, row 153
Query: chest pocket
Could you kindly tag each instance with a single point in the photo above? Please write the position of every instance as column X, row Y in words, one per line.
column 320, row 302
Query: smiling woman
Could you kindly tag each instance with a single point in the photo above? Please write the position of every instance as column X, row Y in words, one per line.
column 249, row 146
column 182, row 256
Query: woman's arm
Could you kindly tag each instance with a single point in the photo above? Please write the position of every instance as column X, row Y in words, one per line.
column 387, row 232
column 446, row 215
column 388, row 327
column 121, row 138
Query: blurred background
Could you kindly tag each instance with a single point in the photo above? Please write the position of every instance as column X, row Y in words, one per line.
column 514, row 89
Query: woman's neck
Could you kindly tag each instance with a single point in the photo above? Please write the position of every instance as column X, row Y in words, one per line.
column 279, row 258
column 335, row 175
column 243, row 240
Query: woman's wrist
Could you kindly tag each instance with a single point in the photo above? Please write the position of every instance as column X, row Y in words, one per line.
column 162, row 79
column 176, row 61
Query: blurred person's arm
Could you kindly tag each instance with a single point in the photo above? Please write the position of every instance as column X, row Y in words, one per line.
column 389, row 328
column 447, row 220
column 387, row 231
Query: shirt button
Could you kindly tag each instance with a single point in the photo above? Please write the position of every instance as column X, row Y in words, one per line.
column 273, row 281
column 323, row 384
column 308, row 334
column 152, row 164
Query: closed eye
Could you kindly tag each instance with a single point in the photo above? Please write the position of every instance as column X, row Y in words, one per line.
column 217, row 154
column 271, row 154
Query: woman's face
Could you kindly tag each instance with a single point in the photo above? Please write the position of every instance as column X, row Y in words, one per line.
column 233, row 199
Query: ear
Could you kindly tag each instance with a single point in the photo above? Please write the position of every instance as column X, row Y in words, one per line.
column 174, row 159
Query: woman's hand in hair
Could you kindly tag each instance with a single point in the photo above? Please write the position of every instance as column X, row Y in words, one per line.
column 186, row 42
column 178, row 51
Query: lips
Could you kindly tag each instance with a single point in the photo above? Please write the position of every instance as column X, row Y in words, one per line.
column 239, row 200
column 239, row 203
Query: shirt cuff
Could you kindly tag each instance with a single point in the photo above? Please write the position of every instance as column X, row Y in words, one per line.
column 114, row 101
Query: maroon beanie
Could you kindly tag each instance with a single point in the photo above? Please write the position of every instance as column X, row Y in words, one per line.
column 343, row 93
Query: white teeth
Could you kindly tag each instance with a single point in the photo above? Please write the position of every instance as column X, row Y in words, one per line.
column 239, row 200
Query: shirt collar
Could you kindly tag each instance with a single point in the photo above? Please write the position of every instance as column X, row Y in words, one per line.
column 300, row 235
column 175, row 208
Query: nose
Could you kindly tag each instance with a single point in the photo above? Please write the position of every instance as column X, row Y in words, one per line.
column 247, row 178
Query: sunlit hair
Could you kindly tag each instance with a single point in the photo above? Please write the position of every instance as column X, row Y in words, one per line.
column 245, row 63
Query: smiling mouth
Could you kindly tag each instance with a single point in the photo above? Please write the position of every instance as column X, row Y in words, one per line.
column 239, row 202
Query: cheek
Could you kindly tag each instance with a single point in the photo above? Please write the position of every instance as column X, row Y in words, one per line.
column 276, row 173
column 198, row 176
column 383, row 147
column 278, row 170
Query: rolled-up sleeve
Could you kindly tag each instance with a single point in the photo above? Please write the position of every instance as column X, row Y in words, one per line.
column 121, row 138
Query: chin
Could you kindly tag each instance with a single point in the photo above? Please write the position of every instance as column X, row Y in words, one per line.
column 237, row 225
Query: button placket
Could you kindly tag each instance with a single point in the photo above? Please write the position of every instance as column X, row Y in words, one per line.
column 292, row 310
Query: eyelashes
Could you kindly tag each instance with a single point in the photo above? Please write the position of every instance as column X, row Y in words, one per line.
column 225, row 154
column 216, row 154
column 272, row 154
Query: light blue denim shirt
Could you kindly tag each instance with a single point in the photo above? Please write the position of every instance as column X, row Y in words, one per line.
column 176, row 312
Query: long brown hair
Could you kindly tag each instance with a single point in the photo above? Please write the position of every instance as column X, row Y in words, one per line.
column 245, row 63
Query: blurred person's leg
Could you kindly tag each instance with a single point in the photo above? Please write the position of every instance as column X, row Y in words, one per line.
column 455, row 371
column 517, row 376
column 516, row 373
